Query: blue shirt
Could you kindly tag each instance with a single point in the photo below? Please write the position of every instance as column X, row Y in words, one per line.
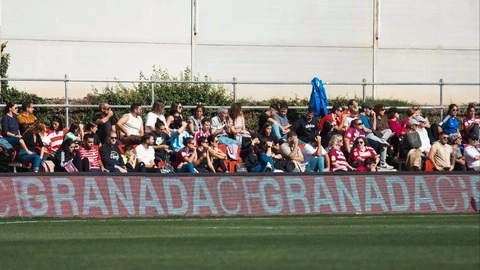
column 9, row 124
column 450, row 125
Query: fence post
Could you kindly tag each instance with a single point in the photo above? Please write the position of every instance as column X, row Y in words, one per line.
column 364, row 86
column 153, row 89
column 441, row 99
column 234, row 87
column 67, row 109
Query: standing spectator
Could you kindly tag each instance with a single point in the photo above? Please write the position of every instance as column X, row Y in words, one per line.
column 175, row 113
column 146, row 154
column 105, row 120
column 450, row 123
column 338, row 162
column 222, row 127
column 26, row 118
column 68, row 158
column 291, row 151
column 31, row 140
column 90, row 151
column 157, row 113
column 131, row 125
column 194, row 122
column 306, row 126
column 441, row 154
column 472, row 153
column 455, row 141
column 282, row 119
column 316, row 156
column 10, row 126
column 110, row 155
column 471, row 121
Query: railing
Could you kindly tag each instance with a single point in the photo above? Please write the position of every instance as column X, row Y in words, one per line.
column 234, row 82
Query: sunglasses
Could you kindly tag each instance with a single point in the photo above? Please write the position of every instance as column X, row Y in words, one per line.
column 113, row 138
column 361, row 142
column 359, row 124
column 445, row 138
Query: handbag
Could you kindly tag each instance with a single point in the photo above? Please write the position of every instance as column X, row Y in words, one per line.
column 69, row 167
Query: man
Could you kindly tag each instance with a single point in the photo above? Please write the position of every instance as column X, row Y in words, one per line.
column 316, row 156
column 222, row 127
column 306, row 126
column 282, row 120
column 291, row 151
column 352, row 105
column 161, row 140
column 105, row 120
column 26, row 118
column 111, row 156
column 472, row 153
column 146, row 154
column 204, row 131
column 131, row 125
column 90, row 151
column 441, row 154
column 268, row 116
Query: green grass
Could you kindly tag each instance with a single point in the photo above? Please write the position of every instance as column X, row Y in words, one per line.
column 314, row 242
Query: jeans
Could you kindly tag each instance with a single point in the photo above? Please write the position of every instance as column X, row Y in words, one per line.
column 316, row 165
column 226, row 140
column 23, row 156
column 187, row 167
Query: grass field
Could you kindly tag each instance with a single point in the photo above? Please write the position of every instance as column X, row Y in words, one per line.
column 313, row 242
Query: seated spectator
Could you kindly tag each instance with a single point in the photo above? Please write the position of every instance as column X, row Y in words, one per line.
column 186, row 157
column 267, row 132
column 336, row 118
column 441, row 154
column 376, row 140
column 111, row 155
column 194, row 122
column 424, row 135
column 361, row 151
column 26, row 118
column 75, row 133
column 328, row 130
column 10, row 126
column 472, row 153
column 156, row 114
column 217, row 157
column 418, row 112
column 450, row 123
column 31, row 140
column 411, row 147
column 131, row 161
column 316, row 156
column 355, row 130
column 291, row 151
column 410, row 115
column 91, row 152
column 55, row 135
column 68, row 158
column 282, row 119
column 161, row 141
column 203, row 162
column 305, row 126
column 251, row 156
column 222, row 127
column 238, row 130
column 396, row 127
column 368, row 165
column 174, row 114
column 91, row 128
column 178, row 135
column 455, row 141
column 204, row 130
column 268, row 116
column 146, row 154
column 338, row 162
column 131, row 125
column 471, row 121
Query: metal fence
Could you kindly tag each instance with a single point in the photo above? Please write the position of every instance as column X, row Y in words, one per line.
column 234, row 83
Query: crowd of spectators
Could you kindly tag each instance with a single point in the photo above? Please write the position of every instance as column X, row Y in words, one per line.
column 363, row 138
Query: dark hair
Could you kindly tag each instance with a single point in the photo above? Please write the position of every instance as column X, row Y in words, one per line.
column 158, row 107
column 187, row 140
column 127, row 148
column 159, row 123
column 57, row 119
column 26, row 104
column 177, row 123
column 336, row 107
column 73, row 127
column 204, row 120
column 199, row 106
column 369, row 161
column 90, row 125
column 173, row 108
column 134, row 106
column 283, row 105
column 350, row 102
column 378, row 107
column 201, row 139
column 291, row 134
column 211, row 138
column 361, row 138
column 88, row 136
column 7, row 107
column 146, row 136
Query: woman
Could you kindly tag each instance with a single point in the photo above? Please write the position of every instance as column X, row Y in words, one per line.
column 91, row 128
column 175, row 113
column 75, row 132
column 236, row 114
column 455, row 141
column 186, row 157
column 132, row 163
column 267, row 132
column 31, row 140
column 328, row 130
column 10, row 126
column 471, row 121
column 195, row 121
column 450, row 123
column 217, row 157
column 361, row 151
column 395, row 127
column 338, row 162
column 203, row 162
column 68, row 158
column 55, row 135
column 157, row 113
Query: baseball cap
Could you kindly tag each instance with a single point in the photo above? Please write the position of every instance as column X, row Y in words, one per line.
column 420, row 118
column 473, row 136
column 367, row 105
column 413, row 122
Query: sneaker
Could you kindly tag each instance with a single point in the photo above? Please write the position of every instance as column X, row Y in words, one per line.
column 386, row 166
column 384, row 143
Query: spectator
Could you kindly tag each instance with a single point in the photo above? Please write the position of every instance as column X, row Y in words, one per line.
column 411, row 147
column 268, row 116
column 338, row 162
column 105, row 120
column 92, row 128
column 146, row 154
column 361, row 151
column 222, row 127
column 55, row 134
column 471, row 121
column 267, row 132
column 91, row 152
column 368, row 165
column 178, row 135
column 131, row 161
column 356, row 130
column 217, row 157
column 68, row 158
column 418, row 112
column 328, row 130
column 10, row 126
column 282, row 119
column 203, row 162
column 161, row 141
column 450, row 123
column 131, row 125
column 455, row 141
column 395, row 126
column 239, row 130
column 157, row 113
column 424, row 135
column 110, row 155
column 187, row 156
column 336, row 118
column 26, row 118
column 441, row 154
column 31, row 140
column 377, row 140
column 194, row 123
column 204, row 130
column 306, row 126
column 472, row 153
column 291, row 151
column 175, row 113
column 75, row 133
column 316, row 156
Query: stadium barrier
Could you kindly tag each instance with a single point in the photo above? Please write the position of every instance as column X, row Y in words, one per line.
column 103, row 196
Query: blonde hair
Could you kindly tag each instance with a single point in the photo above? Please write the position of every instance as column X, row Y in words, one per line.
column 334, row 140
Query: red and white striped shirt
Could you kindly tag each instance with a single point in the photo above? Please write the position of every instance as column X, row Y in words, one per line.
column 93, row 156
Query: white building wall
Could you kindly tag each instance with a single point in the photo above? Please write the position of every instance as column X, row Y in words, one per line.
column 267, row 40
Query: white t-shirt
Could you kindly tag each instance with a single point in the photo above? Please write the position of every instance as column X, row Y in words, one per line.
column 146, row 155
column 470, row 153
column 308, row 150
column 152, row 119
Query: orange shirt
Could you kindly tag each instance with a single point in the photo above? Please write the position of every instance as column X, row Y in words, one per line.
column 24, row 118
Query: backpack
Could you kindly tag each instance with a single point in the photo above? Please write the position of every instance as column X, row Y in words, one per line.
column 47, row 166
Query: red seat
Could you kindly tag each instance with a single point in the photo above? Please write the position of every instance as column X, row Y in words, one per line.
column 231, row 163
